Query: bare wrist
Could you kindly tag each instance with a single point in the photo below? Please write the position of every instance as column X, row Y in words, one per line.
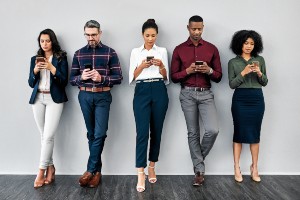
column 259, row 74
column 187, row 72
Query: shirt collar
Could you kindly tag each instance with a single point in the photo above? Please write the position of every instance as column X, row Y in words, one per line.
column 143, row 48
column 189, row 42
column 239, row 56
column 99, row 45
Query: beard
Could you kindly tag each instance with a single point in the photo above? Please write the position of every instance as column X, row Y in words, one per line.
column 93, row 43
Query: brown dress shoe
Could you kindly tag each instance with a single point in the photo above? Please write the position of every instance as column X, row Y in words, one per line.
column 94, row 182
column 199, row 179
column 85, row 178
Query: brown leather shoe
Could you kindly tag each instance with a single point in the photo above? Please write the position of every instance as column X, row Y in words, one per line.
column 199, row 179
column 85, row 178
column 94, row 182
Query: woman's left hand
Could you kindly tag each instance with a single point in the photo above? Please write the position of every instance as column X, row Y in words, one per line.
column 256, row 70
column 48, row 65
column 157, row 62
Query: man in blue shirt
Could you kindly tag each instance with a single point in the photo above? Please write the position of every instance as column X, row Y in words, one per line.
column 95, row 69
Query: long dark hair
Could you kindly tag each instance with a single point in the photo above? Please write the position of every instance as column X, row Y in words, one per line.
column 56, row 49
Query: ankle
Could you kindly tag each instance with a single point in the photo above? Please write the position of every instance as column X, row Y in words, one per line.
column 254, row 167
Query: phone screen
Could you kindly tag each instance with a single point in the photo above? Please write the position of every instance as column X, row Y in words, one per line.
column 149, row 58
column 88, row 66
column 40, row 59
column 199, row 63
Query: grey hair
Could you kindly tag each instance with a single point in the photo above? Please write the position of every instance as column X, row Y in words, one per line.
column 92, row 24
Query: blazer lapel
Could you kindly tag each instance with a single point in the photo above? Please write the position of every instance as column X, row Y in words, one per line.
column 54, row 63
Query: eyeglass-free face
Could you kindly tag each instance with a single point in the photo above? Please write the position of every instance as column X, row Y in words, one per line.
column 92, row 35
column 45, row 42
column 149, row 36
column 195, row 29
column 248, row 46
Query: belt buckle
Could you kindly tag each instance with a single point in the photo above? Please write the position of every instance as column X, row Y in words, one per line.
column 93, row 88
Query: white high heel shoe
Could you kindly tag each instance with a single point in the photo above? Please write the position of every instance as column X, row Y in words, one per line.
column 141, row 188
column 151, row 180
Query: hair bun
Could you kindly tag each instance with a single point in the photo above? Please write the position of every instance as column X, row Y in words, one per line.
column 150, row 21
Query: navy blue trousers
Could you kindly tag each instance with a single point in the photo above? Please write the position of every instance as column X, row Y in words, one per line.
column 95, row 109
column 150, row 105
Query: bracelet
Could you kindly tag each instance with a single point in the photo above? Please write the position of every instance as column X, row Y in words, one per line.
column 161, row 68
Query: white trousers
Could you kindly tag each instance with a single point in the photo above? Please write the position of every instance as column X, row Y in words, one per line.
column 47, row 115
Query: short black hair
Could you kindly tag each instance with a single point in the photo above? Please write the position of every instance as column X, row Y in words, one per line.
column 150, row 23
column 195, row 18
column 240, row 37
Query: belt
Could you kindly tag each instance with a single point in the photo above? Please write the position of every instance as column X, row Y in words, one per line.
column 44, row 91
column 95, row 89
column 196, row 88
column 149, row 80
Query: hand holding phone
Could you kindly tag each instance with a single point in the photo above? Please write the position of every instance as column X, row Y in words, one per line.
column 88, row 66
column 87, row 74
column 198, row 65
column 255, row 63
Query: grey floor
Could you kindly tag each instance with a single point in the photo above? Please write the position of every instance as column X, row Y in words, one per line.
column 167, row 187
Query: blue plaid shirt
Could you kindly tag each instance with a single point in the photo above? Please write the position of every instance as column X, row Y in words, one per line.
column 103, row 59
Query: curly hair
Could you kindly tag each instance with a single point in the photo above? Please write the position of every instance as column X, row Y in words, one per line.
column 57, row 51
column 240, row 37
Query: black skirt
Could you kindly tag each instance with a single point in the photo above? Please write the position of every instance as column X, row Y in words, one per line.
column 247, row 110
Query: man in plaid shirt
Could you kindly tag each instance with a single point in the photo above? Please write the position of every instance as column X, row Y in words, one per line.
column 95, row 69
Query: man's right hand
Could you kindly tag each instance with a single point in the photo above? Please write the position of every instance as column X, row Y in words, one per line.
column 86, row 74
column 191, row 69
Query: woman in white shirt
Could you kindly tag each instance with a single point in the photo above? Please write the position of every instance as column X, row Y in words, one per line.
column 48, row 77
column 149, row 71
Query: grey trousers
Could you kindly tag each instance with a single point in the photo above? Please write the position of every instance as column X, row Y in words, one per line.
column 194, row 103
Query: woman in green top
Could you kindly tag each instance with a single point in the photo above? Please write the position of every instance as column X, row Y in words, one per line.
column 247, row 74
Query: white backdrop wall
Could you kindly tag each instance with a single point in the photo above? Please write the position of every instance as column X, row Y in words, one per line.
column 121, row 21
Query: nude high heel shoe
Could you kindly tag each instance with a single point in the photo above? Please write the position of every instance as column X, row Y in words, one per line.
column 254, row 178
column 151, row 180
column 47, row 181
column 238, row 175
column 141, row 188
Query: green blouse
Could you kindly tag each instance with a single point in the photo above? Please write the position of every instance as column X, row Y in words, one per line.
column 236, row 80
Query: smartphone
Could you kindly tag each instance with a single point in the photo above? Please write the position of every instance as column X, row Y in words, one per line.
column 255, row 63
column 149, row 58
column 39, row 59
column 199, row 63
column 88, row 66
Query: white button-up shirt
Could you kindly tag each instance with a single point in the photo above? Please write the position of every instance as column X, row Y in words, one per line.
column 44, row 84
column 140, row 54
